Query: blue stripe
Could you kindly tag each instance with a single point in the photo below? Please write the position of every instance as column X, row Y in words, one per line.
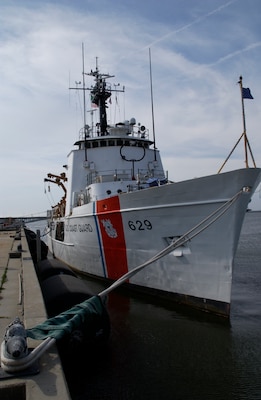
column 99, row 239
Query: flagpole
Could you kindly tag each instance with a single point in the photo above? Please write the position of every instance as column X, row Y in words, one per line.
column 244, row 121
column 245, row 94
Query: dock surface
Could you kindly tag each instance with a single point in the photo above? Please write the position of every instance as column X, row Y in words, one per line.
column 20, row 296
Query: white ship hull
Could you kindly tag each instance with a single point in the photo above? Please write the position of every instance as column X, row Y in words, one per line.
column 108, row 237
column 113, row 219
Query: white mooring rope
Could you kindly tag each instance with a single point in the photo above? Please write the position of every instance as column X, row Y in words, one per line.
column 196, row 230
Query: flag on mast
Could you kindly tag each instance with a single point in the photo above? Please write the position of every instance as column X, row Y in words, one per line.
column 246, row 94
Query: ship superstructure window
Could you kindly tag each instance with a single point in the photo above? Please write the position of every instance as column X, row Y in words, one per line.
column 112, row 142
column 59, row 233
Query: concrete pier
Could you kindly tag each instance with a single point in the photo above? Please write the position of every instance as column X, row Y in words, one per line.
column 20, row 296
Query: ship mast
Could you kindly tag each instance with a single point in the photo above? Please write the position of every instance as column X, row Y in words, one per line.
column 99, row 95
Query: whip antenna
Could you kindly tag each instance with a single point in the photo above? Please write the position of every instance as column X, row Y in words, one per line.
column 152, row 110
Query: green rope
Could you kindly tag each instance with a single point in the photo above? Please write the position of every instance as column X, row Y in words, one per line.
column 87, row 312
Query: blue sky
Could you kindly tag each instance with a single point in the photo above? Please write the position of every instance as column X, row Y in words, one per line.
column 199, row 49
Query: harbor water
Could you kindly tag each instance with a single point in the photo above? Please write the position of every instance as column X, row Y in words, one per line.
column 159, row 351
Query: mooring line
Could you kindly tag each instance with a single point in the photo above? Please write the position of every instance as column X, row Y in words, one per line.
column 179, row 242
column 16, row 365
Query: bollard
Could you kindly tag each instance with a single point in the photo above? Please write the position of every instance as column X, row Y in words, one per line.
column 15, row 345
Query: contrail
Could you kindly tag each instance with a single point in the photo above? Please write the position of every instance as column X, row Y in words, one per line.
column 235, row 53
column 196, row 21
